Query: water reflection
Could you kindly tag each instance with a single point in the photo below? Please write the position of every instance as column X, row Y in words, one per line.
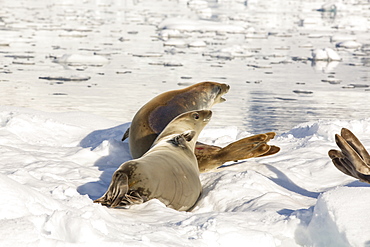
column 324, row 66
column 270, row 112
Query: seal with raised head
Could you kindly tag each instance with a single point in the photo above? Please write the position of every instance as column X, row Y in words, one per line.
column 352, row 159
column 154, row 116
column 168, row 171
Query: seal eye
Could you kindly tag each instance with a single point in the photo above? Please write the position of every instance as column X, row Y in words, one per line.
column 196, row 116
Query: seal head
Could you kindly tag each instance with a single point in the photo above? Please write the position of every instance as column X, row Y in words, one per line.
column 154, row 116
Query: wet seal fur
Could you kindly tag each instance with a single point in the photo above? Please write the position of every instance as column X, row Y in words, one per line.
column 154, row 116
column 168, row 171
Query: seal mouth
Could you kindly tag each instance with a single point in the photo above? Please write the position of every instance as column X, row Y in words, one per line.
column 207, row 118
column 224, row 90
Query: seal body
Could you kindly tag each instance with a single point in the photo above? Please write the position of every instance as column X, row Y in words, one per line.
column 154, row 116
column 168, row 171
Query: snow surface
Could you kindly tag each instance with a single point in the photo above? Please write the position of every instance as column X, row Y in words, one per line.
column 73, row 74
column 55, row 164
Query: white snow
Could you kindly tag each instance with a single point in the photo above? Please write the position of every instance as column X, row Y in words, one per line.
column 55, row 164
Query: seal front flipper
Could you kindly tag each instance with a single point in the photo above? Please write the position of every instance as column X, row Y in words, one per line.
column 352, row 159
column 180, row 140
column 126, row 135
column 211, row 157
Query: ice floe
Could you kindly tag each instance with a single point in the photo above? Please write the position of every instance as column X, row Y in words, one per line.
column 326, row 54
column 78, row 59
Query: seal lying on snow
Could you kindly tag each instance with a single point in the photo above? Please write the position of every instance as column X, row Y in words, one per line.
column 154, row 116
column 168, row 171
column 353, row 159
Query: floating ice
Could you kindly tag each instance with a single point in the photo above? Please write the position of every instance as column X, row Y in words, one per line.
column 350, row 44
column 338, row 37
column 149, row 54
column 356, row 85
column 332, row 81
column 66, row 78
column 186, row 25
column 73, row 34
column 171, row 33
column 205, row 13
column 23, row 62
column 230, row 52
column 328, row 7
column 197, row 43
column 77, row 60
column 326, row 54
column 302, row 92
column 259, row 66
column 175, row 43
column 197, row 4
column 256, row 36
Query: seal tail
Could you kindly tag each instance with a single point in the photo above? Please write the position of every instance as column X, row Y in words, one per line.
column 211, row 157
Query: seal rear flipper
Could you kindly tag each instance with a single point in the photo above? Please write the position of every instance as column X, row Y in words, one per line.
column 215, row 160
column 211, row 157
column 250, row 147
column 353, row 156
column 355, row 143
column 337, row 159
column 116, row 192
column 273, row 150
column 352, row 159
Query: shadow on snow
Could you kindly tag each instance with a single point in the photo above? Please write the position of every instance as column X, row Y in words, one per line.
column 114, row 152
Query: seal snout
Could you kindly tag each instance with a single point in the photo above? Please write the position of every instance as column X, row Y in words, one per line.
column 223, row 90
column 207, row 115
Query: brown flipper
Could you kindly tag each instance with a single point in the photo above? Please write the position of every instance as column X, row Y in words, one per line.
column 126, row 135
column 270, row 135
column 352, row 159
column 273, row 150
column 337, row 159
column 352, row 140
column 210, row 157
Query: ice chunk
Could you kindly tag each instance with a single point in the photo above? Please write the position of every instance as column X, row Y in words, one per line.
column 337, row 216
column 326, row 54
column 350, row 44
column 77, row 59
